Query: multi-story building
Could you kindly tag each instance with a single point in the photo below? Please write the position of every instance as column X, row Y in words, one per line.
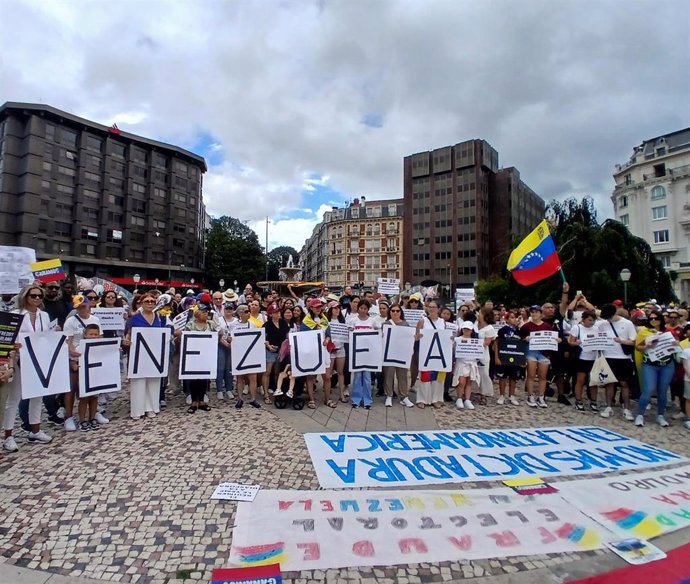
column 356, row 245
column 108, row 203
column 652, row 198
column 462, row 213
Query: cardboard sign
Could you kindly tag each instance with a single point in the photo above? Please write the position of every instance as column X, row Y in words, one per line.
column 365, row 351
column 235, row 492
column 111, row 319
column 412, row 458
column 595, row 340
column 198, row 355
column 666, row 345
column 340, row 333
column 9, row 330
column 44, row 364
column 388, row 286
column 261, row 573
column 15, row 268
column 469, row 348
column 413, row 315
column 435, row 350
column 543, row 341
column 48, row 270
column 462, row 295
column 511, row 351
column 248, row 353
column 149, row 352
column 99, row 366
column 398, row 346
column 308, row 356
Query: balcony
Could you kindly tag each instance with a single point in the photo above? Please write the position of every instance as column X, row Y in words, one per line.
column 679, row 171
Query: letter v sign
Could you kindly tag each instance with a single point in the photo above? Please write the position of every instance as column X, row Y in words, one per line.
column 44, row 379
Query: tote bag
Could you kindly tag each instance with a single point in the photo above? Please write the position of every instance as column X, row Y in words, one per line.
column 601, row 373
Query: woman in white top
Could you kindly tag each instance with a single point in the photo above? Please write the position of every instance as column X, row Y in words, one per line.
column 35, row 320
column 585, row 361
column 487, row 332
column 431, row 387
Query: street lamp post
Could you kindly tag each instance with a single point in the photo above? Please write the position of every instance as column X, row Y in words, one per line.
column 625, row 277
column 221, row 283
column 136, row 278
column 156, row 281
column 234, row 284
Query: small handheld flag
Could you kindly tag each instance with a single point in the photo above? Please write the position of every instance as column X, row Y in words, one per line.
column 535, row 258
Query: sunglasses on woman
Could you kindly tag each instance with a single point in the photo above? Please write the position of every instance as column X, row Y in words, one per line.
column 92, row 297
column 35, row 296
column 395, row 310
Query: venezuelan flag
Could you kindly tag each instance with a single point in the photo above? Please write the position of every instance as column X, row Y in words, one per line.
column 535, row 258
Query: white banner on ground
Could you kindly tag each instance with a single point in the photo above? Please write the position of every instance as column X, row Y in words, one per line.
column 388, row 286
column 198, row 355
column 340, row 333
column 308, row 356
column 248, row 351
column 543, row 341
column 99, row 366
column 44, row 364
column 111, row 319
column 149, row 352
column 366, row 351
column 390, row 459
column 595, row 340
column 435, row 350
column 413, row 315
column 643, row 505
column 398, row 346
column 305, row 530
column 469, row 348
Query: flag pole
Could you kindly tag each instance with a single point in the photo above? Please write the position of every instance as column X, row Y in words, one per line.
column 560, row 271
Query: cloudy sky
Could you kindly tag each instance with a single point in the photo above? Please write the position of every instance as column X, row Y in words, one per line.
column 302, row 105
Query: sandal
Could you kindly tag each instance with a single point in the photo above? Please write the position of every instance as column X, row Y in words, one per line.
column 347, row 393
column 482, row 400
column 421, row 406
column 191, row 409
column 332, row 404
column 311, row 405
column 267, row 400
column 204, row 408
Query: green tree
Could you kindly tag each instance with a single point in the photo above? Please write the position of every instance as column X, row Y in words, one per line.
column 233, row 252
column 592, row 256
column 278, row 257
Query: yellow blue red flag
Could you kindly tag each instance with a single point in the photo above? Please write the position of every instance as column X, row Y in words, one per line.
column 535, row 258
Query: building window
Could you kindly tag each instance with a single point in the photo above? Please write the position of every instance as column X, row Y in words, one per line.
column 45, row 185
column 114, row 235
column 355, row 213
column 658, row 192
column 665, row 259
column 116, row 200
column 661, row 236
column 113, row 253
column 94, row 144
column 118, row 149
column 138, row 171
column 623, row 201
column 117, row 168
column 136, row 188
column 137, row 254
column 138, row 206
column 89, row 233
column 62, row 229
column 90, row 194
column 66, row 171
column 64, row 211
column 625, row 219
column 88, row 249
column 159, row 192
column 91, row 214
column 50, row 132
column 181, row 182
column 47, row 166
column 116, row 183
column 68, row 138
column 140, row 221
column 659, row 212
column 65, row 189
column 139, row 155
column 92, row 176
column 114, row 217
column 158, row 224
column 392, row 209
column 160, row 160
column 180, row 198
column 180, row 166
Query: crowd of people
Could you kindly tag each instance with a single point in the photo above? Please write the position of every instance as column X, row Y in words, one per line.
column 640, row 372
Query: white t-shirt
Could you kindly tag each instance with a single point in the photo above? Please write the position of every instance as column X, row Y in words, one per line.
column 362, row 325
column 686, row 355
column 580, row 331
column 488, row 332
column 75, row 325
column 624, row 329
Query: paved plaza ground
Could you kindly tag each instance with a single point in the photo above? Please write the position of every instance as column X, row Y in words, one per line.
column 131, row 502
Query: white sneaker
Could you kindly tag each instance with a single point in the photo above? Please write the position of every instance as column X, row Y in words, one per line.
column 687, row 424
column 231, row 395
column 40, row 436
column 10, row 444
column 61, row 412
column 531, row 401
column 163, row 403
column 205, row 398
column 389, row 402
column 639, row 421
column 70, row 424
column 220, row 395
column 101, row 419
column 408, row 404
column 278, row 392
column 290, row 394
column 469, row 405
column 514, row 401
column 662, row 421
column 606, row 412
column 245, row 391
column 627, row 414
column 501, row 400
column 541, row 402
column 188, row 400
column 459, row 404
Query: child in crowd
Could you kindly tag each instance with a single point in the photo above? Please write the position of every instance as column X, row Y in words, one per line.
column 508, row 374
column 361, row 380
column 466, row 371
column 89, row 417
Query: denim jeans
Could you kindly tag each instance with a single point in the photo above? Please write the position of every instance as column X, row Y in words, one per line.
column 655, row 379
column 361, row 388
column 223, row 376
column 49, row 401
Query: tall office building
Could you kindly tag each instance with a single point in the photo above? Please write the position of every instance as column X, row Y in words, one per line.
column 652, row 198
column 108, row 203
column 462, row 213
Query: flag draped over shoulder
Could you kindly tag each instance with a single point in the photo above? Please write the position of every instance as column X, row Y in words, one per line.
column 535, row 258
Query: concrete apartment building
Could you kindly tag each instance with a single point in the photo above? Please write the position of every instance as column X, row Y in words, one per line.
column 652, row 198
column 462, row 214
column 356, row 245
column 108, row 203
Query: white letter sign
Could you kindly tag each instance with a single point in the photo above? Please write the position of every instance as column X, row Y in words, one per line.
column 45, row 364
column 398, row 346
column 198, row 355
column 365, row 351
column 99, row 366
column 248, row 351
column 149, row 352
column 435, row 351
column 308, row 356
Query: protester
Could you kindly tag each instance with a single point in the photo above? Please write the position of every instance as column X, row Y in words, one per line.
column 465, row 371
column 248, row 379
column 198, row 388
column 537, row 361
column 505, row 372
column 314, row 320
column 486, row 332
column 361, row 380
column 336, row 352
column 431, row 391
column 89, row 416
column 276, row 333
column 585, row 360
column 391, row 373
column 225, row 323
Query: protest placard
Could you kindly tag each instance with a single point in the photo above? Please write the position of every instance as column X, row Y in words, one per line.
column 195, row 349
column 45, row 364
column 435, row 350
column 308, row 356
column 512, row 351
column 48, row 270
column 366, row 351
column 9, row 329
column 248, row 351
column 413, row 315
column 111, row 319
column 388, row 286
column 595, row 340
column 181, row 320
column 15, row 268
column 469, row 348
column 99, row 366
column 306, row 530
column 462, row 295
column 340, row 333
column 636, row 551
column 371, row 459
column 149, row 352
column 398, row 346
column 543, row 341
column 235, row 492
column 665, row 346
